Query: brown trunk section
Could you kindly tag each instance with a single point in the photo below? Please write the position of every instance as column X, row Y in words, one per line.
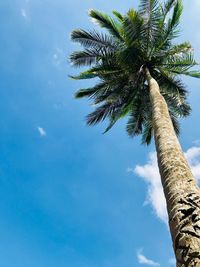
column 180, row 188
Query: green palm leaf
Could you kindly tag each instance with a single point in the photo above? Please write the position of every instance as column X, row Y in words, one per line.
column 92, row 39
column 116, row 59
column 107, row 22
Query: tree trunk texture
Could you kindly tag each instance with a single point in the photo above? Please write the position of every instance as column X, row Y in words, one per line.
column 180, row 187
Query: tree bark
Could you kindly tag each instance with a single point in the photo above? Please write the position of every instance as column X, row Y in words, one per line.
column 180, row 187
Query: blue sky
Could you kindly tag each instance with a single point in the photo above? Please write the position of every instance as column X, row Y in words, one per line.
column 70, row 196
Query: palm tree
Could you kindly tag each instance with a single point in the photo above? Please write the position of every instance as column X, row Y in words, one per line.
column 138, row 70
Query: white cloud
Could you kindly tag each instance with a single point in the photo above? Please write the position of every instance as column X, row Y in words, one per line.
column 193, row 157
column 150, row 173
column 192, row 154
column 144, row 260
column 41, row 131
column 23, row 13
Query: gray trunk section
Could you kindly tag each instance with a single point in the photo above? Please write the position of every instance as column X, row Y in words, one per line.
column 180, row 188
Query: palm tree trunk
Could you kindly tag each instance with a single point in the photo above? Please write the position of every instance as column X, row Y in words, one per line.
column 180, row 188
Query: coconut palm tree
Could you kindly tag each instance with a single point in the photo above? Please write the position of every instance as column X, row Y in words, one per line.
column 138, row 68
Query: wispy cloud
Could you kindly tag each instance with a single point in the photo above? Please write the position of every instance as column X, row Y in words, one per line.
column 58, row 57
column 41, row 131
column 172, row 262
column 150, row 174
column 24, row 13
column 196, row 142
column 144, row 260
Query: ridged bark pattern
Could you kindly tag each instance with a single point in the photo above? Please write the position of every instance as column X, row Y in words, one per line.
column 180, row 188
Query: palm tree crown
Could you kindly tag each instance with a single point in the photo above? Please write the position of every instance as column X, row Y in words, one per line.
column 118, row 57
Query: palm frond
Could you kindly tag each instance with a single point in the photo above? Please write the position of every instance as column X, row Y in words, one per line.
column 130, row 56
column 88, row 92
column 150, row 11
column 121, row 112
column 94, row 92
column 102, row 112
column 134, row 124
column 194, row 74
column 175, row 123
column 178, row 9
column 85, row 58
column 92, row 39
column 118, row 15
column 179, row 49
column 171, row 30
column 116, row 59
column 147, row 132
column 90, row 56
column 174, row 50
column 168, row 5
column 146, row 7
column 132, row 25
column 169, row 84
column 89, row 74
column 178, row 105
column 100, row 70
column 105, row 21
column 179, row 63
column 111, row 124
